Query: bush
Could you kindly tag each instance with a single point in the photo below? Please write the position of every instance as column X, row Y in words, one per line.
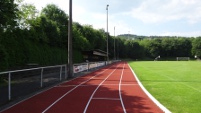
column 3, row 58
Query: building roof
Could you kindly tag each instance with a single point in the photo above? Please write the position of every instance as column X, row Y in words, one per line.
column 97, row 52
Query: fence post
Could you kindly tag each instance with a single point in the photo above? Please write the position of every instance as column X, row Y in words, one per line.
column 41, row 78
column 87, row 66
column 65, row 71
column 9, row 86
column 60, row 73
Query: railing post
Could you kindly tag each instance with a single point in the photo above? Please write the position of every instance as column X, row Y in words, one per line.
column 96, row 65
column 9, row 86
column 41, row 78
column 87, row 66
column 65, row 71
column 60, row 73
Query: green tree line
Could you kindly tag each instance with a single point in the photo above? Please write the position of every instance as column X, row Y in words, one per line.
column 29, row 36
column 165, row 46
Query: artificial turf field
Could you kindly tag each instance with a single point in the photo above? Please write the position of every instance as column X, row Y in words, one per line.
column 175, row 84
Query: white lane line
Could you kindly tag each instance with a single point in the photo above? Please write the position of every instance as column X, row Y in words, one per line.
column 120, row 90
column 96, row 90
column 98, row 78
column 72, row 90
column 96, row 85
column 73, row 85
column 40, row 92
column 105, row 98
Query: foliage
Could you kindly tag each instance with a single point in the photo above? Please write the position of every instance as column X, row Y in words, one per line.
column 8, row 14
column 42, row 38
column 196, row 50
column 134, row 50
column 54, row 13
column 27, row 13
column 79, row 41
column 55, row 24
column 3, row 58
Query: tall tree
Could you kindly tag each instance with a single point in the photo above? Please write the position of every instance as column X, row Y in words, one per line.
column 154, row 47
column 184, row 47
column 54, row 13
column 79, row 41
column 196, row 50
column 168, row 47
column 90, row 33
column 8, row 14
column 27, row 13
column 59, row 18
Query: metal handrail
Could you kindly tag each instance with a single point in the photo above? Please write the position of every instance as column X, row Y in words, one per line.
column 30, row 69
column 81, row 65
column 41, row 76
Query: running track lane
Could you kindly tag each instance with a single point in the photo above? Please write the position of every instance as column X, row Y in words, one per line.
column 40, row 102
column 110, row 90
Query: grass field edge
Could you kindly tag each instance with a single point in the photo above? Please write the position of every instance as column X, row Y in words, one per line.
column 148, row 94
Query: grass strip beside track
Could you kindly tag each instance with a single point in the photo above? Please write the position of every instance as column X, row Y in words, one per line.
column 177, row 85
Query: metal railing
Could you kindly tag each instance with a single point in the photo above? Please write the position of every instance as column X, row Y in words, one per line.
column 22, row 82
column 32, row 75
column 88, row 66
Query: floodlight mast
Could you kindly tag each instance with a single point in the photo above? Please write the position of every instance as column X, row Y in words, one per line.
column 114, row 45
column 107, row 32
column 70, row 56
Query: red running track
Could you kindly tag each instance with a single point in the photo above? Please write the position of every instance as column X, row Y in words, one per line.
column 112, row 89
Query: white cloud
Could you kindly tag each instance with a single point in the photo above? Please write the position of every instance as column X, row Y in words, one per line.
column 167, row 17
column 154, row 11
column 63, row 4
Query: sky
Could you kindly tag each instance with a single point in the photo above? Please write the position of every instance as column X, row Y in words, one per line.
column 139, row 17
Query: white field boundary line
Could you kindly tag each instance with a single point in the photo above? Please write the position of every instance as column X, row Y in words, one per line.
column 120, row 96
column 165, row 110
column 72, row 90
column 86, row 107
column 99, row 98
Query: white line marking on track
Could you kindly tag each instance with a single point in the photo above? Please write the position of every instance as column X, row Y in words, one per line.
column 96, row 85
column 72, row 90
column 120, row 89
column 96, row 90
column 74, row 85
column 118, row 84
column 105, row 98
column 98, row 78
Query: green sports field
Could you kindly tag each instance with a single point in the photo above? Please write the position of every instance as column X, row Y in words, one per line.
column 175, row 84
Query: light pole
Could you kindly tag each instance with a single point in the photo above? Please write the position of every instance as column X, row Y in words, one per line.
column 128, row 34
column 70, row 56
column 114, row 45
column 107, row 32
